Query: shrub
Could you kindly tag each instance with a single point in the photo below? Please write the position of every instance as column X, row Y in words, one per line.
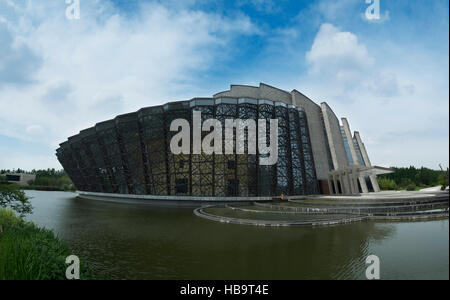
column 15, row 199
column 411, row 187
column 31, row 253
column 387, row 184
column 8, row 217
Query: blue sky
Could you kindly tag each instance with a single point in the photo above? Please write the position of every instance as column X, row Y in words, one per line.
column 389, row 77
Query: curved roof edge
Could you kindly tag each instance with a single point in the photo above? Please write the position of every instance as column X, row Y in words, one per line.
column 300, row 99
column 331, row 110
column 263, row 91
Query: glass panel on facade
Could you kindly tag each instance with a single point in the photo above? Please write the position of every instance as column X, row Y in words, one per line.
column 347, row 147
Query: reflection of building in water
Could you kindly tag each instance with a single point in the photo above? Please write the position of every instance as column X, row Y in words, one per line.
column 317, row 154
column 337, row 252
column 216, row 251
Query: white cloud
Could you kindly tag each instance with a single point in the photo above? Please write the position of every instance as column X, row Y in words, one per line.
column 66, row 75
column 17, row 61
column 338, row 54
column 396, row 96
column 345, row 65
column 34, row 129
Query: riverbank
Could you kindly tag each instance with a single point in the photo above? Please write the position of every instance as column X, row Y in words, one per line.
column 28, row 252
column 48, row 188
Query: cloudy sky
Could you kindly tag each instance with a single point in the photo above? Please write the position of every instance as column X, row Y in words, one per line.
column 389, row 77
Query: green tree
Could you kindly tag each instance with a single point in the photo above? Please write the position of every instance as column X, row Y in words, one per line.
column 411, row 187
column 387, row 184
column 409, row 177
column 444, row 179
column 12, row 197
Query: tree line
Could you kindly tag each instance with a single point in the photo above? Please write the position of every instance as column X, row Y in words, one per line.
column 49, row 179
column 413, row 178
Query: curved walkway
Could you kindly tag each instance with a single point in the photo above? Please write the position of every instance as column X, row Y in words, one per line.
column 201, row 213
column 339, row 212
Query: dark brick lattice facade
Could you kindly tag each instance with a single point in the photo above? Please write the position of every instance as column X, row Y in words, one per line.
column 131, row 154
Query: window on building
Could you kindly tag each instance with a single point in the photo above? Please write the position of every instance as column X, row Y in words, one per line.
column 13, row 178
column 181, row 186
column 233, row 188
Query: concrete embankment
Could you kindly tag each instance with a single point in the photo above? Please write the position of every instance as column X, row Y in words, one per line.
column 320, row 212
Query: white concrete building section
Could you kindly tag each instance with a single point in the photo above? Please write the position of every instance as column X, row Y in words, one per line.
column 362, row 147
column 328, row 142
column 335, row 141
column 313, row 113
column 20, row 178
column 317, row 133
column 354, row 155
column 341, row 160
column 263, row 92
column 348, row 135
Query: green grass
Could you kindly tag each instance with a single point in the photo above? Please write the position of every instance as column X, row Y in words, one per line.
column 31, row 253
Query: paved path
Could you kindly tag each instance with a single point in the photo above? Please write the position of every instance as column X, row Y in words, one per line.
column 432, row 189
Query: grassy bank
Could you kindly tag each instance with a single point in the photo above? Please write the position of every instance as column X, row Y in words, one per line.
column 28, row 252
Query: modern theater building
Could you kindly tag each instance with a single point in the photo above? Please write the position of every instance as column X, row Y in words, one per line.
column 131, row 155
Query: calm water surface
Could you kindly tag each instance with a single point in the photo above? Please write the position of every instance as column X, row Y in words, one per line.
column 124, row 241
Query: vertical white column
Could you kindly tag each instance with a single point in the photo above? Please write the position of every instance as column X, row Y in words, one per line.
column 335, row 184
column 343, row 185
column 362, row 182
column 355, row 180
column 350, row 182
column 362, row 148
column 375, row 185
column 330, row 187
column 331, row 142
